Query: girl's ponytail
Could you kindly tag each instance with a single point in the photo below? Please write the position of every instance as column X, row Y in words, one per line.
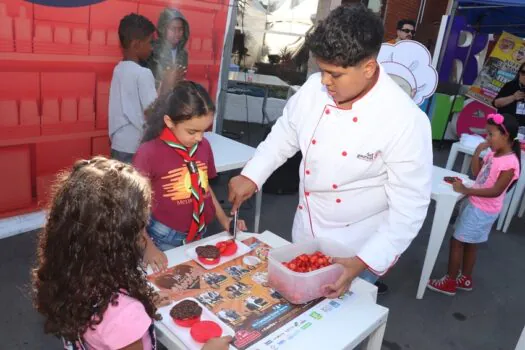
column 155, row 118
column 516, row 148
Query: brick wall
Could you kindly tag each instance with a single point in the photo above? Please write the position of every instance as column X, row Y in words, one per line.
column 428, row 28
column 399, row 9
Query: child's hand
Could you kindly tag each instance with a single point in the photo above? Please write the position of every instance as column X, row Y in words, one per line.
column 459, row 187
column 171, row 77
column 156, row 258
column 161, row 299
column 222, row 343
column 482, row 146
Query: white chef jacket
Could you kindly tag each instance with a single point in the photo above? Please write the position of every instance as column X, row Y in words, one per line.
column 366, row 171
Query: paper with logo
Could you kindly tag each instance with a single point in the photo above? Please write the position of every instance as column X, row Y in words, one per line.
column 237, row 292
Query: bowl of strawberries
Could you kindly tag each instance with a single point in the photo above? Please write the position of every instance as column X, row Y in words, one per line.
column 299, row 272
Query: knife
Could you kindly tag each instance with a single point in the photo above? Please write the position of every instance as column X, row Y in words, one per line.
column 235, row 217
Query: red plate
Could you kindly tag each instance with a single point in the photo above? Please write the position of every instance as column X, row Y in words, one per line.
column 205, row 330
column 209, row 262
column 187, row 322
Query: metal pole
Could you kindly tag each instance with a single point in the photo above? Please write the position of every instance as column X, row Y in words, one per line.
column 225, row 66
column 450, row 22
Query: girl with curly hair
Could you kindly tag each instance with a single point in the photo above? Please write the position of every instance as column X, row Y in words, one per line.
column 90, row 284
column 178, row 160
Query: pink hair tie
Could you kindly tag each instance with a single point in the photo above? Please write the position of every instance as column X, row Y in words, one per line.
column 498, row 119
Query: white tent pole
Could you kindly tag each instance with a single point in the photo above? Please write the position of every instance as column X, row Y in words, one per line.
column 225, row 66
column 450, row 22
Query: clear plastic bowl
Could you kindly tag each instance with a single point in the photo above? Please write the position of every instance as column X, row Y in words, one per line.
column 297, row 287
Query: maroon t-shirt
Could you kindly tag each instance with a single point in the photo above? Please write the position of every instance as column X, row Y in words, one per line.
column 171, row 183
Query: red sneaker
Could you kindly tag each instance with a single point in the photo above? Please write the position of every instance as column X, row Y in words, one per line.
column 445, row 285
column 464, row 282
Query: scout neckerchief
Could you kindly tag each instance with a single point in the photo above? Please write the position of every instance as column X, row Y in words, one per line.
column 197, row 192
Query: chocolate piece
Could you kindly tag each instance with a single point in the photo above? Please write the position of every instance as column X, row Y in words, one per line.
column 186, row 309
column 208, row 252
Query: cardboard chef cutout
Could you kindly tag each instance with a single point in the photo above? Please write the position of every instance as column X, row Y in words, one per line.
column 409, row 64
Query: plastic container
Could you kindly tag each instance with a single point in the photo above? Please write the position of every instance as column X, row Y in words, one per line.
column 297, row 287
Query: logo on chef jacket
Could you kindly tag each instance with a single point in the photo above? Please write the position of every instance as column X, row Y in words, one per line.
column 369, row 157
column 409, row 64
column 66, row 3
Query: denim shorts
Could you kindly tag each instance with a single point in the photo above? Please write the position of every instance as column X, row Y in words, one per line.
column 166, row 238
column 473, row 224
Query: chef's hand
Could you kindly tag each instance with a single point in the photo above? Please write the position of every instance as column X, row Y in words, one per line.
column 154, row 257
column 352, row 268
column 240, row 189
column 222, row 343
column 519, row 95
column 161, row 299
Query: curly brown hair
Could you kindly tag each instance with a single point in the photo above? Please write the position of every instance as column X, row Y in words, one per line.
column 91, row 247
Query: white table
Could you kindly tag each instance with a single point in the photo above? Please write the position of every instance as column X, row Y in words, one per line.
column 366, row 319
column 231, row 155
column 512, row 198
column 261, row 80
column 446, row 199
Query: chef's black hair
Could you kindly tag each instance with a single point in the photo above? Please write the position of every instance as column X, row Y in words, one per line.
column 349, row 35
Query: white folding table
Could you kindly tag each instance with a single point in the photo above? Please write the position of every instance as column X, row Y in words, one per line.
column 359, row 318
column 261, row 80
column 231, row 155
column 446, row 199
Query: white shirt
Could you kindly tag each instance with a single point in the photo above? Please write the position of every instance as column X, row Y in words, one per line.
column 366, row 172
column 132, row 91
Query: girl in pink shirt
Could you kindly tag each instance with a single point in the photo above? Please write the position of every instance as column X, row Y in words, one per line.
column 90, row 284
column 498, row 170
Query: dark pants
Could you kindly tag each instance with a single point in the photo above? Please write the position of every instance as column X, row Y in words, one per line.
column 122, row 156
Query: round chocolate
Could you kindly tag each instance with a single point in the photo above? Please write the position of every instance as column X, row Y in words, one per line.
column 186, row 309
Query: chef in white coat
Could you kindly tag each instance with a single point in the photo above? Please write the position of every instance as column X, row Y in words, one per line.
column 366, row 146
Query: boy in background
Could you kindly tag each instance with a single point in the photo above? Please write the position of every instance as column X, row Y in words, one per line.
column 132, row 87
column 169, row 50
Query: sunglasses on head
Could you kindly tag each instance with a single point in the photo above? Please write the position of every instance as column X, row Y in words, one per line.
column 408, row 31
column 498, row 119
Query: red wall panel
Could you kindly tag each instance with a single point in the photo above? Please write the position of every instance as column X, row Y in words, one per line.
column 54, row 156
column 55, row 72
column 15, row 187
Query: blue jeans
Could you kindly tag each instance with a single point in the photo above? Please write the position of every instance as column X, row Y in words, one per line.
column 164, row 237
column 122, row 156
column 369, row 276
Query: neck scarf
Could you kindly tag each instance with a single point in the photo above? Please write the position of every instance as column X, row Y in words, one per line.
column 197, row 192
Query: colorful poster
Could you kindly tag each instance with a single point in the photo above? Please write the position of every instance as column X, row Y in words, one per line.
column 500, row 68
column 237, row 292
